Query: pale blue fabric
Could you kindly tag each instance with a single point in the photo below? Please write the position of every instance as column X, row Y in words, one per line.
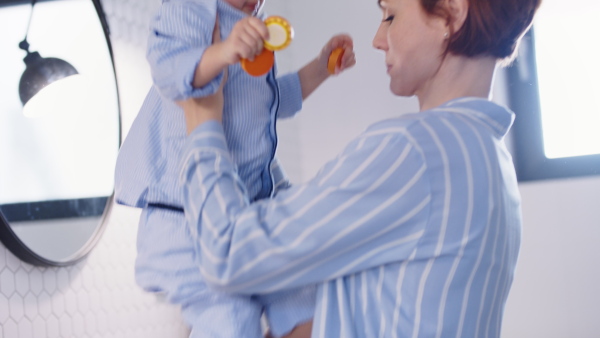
column 148, row 165
column 412, row 231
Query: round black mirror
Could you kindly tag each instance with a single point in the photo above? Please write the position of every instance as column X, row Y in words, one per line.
column 58, row 147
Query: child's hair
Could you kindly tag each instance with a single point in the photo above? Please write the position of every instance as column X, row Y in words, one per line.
column 492, row 27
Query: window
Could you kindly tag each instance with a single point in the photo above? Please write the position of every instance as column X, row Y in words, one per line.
column 553, row 89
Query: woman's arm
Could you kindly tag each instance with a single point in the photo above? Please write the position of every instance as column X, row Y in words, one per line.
column 366, row 208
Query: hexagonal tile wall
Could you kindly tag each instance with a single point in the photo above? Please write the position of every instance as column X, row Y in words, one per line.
column 97, row 297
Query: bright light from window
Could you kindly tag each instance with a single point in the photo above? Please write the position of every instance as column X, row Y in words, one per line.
column 567, row 51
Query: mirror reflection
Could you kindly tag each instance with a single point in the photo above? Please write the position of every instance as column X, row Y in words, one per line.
column 59, row 149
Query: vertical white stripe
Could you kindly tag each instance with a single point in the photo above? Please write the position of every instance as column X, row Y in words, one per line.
column 352, row 280
column 381, row 306
column 504, row 291
column 499, row 273
column 443, row 227
column 324, row 303
column 488, row 168
column 467, row 226
column 365, row 301
column 342, row 306
column 399, row 282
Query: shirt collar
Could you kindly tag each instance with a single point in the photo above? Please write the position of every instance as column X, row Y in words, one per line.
column 498, row 117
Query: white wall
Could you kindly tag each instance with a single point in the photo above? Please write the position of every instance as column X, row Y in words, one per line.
column 556, row 293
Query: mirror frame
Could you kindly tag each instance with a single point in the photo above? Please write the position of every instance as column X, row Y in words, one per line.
column 7, row 236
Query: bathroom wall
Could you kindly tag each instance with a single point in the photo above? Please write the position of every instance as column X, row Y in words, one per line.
column 98, row 296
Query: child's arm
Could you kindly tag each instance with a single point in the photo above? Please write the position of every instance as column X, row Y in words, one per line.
column 315, row 72
column 180, row 35
column 245, row 41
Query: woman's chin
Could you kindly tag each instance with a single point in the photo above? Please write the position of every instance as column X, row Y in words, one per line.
column 399, row 90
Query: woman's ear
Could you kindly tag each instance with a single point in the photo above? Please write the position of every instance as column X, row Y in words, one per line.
column 457, row 13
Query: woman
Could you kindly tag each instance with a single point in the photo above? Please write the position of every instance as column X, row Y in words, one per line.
column 414, row 229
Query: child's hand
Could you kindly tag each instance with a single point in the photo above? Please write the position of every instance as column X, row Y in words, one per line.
column 348, row 60
column 245, row 41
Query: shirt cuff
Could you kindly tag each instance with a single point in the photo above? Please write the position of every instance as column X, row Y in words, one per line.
column 188, row 63
column 290, row 101
column 209, row 134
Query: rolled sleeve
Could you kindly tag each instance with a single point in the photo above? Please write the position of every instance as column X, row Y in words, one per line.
column 291, row 95
column 180, row 34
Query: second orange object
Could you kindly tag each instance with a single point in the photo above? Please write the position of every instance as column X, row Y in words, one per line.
column 335, row 60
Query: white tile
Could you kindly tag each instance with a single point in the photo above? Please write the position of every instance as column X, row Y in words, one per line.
column 22, row 282
column 31, row 306
column 7, row 282
column 25, row 328
column 17, row 311
column 4, row 311
column 10, row 328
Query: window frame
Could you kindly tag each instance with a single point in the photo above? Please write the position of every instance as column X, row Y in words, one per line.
column 531, row 162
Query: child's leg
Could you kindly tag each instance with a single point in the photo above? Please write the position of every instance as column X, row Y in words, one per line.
column 165, row 263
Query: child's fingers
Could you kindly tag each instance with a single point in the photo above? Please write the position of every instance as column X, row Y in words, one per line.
column 248, row 37
column 251, row 44
column 259, row 27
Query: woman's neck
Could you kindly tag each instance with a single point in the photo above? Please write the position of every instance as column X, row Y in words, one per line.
column 458, row 76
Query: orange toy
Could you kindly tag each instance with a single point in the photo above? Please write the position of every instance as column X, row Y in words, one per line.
column 335, row 60
column 261, row 64
column 281, row 34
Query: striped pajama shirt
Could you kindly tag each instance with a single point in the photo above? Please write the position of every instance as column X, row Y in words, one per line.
column 412, row 231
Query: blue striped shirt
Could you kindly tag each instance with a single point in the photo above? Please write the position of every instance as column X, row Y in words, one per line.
column 148, row 166
column 412, row 231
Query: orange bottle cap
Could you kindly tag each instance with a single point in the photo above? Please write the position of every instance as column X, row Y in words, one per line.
column 335, row 60
column 281, row 33
column 261, row 65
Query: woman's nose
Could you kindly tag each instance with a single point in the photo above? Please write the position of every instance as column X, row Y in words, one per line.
column 380, row 39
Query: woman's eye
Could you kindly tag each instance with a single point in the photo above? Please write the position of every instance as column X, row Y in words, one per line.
column 389, row 19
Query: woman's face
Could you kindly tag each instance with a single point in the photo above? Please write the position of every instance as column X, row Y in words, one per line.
column 246, row 6
column 413, row 42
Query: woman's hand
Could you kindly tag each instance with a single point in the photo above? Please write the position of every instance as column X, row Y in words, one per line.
column 203, row 109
